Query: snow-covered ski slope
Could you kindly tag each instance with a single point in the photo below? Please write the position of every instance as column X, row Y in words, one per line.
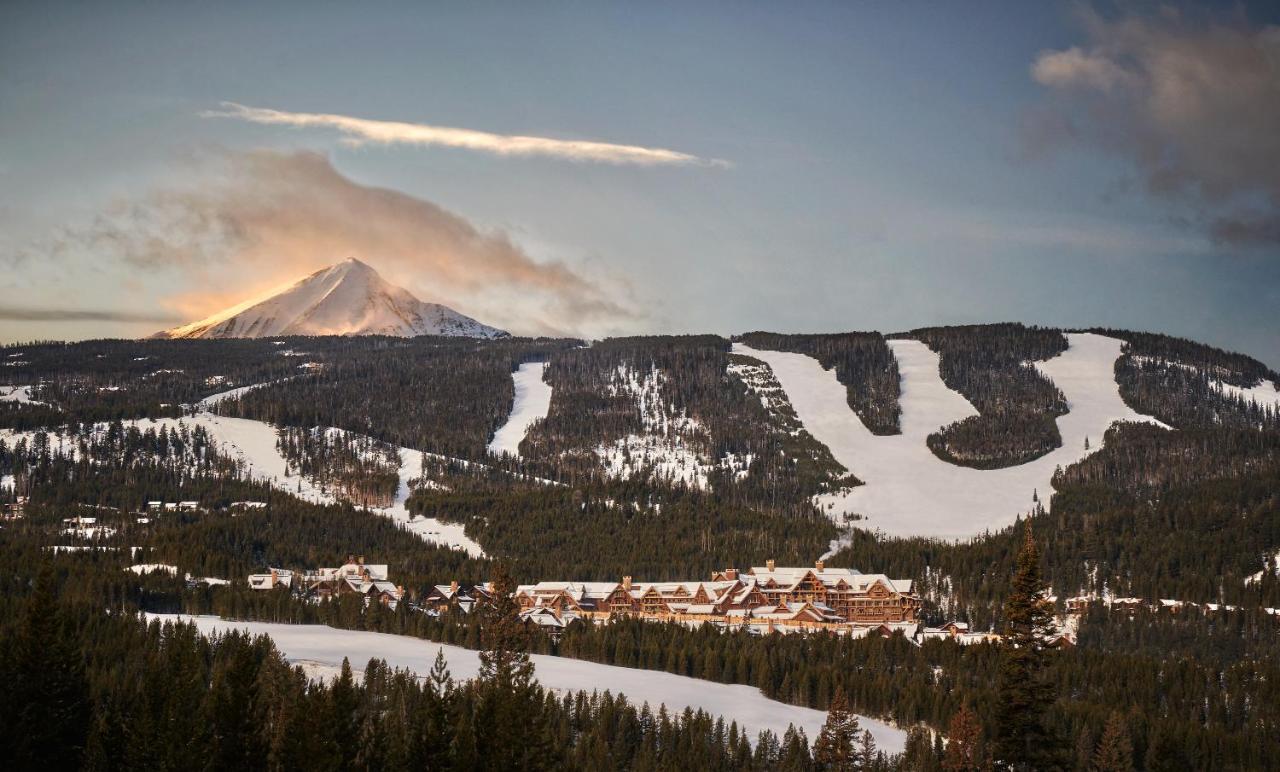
column 321, row 649
column 911, row 492
column 532, row 402
column 254, row 443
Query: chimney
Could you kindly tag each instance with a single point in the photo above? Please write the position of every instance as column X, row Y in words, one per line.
column 399, row 591
column 731, row 574
column 453, row 587
column 626, row 583
column 818, row 566
column 770, row 565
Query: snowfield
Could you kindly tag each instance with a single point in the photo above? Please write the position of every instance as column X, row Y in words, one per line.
column 532, row 402
column 911, row 492
column 18, row 394
column 254, row 443
column 320, row 649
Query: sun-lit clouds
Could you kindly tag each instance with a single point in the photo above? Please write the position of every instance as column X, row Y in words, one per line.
column 1193, row 102
column 358, row 131
column 252, row 221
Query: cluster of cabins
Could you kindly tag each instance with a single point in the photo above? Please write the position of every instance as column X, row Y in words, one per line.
column 763, row 599
column 355, row 577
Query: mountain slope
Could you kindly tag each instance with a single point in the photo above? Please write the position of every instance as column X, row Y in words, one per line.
column 348, row 298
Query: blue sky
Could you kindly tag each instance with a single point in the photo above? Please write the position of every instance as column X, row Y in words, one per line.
column 885, row 169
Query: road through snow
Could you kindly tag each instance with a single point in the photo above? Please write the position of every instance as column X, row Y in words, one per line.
column 321, row 649
column 911, row 492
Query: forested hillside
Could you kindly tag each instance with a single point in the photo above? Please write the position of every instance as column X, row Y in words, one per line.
column 1181, row 382
column 863, row 363
column 445, row 395
column 991, row 366
column 672, row 410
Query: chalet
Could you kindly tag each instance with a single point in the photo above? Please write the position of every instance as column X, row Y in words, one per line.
column 858, row 598
column 464, row 597
column 955, row 631
column 548, row 620
column 354, row 577
column 278, row 577
column 87, row 528
column 767, row 597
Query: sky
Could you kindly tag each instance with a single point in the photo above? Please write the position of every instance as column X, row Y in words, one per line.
column 599, row 169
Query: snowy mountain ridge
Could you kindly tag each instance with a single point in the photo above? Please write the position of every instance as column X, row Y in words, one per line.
column 348, row 298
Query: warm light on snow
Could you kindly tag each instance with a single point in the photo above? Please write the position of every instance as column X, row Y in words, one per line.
column 348, row 298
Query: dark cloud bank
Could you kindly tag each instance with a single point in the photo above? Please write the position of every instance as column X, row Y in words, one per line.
column 1192, row 101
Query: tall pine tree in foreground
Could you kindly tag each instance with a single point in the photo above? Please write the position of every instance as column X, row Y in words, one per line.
column 834, row 750
column 1024, row 740
column 511, row 727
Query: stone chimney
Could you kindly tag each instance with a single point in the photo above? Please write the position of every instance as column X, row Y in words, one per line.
column 818, row 566
column 399, row 591
column 770, row 565
column 626, row 583
column 453, row 587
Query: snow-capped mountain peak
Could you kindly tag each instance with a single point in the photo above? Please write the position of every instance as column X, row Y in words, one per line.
column 347, row 298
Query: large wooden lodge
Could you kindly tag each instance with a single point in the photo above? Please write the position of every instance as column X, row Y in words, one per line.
column 765, row 597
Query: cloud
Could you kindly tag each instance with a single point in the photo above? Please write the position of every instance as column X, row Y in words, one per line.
column 363, row 130
column 1193, row 102
column 251, row 221
column 8, row 313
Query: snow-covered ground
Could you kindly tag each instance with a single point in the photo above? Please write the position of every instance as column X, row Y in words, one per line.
column 911, row 492
column 429, row 528
column 17, row 394
column 672, row 445
column 147, row 568
column 213, row 399
column 533, row 400
column 1264, row 394
column 254, row 443
column 321, row 649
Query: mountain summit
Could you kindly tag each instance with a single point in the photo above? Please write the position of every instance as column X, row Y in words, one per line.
column 348, row 298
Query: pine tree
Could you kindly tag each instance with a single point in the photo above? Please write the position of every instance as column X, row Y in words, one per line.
column 1115, row 749
column 964, row 737
column 867, row 752
column 834, row 749
column 510, row 723
column 1023, row 739
column 46, row 704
